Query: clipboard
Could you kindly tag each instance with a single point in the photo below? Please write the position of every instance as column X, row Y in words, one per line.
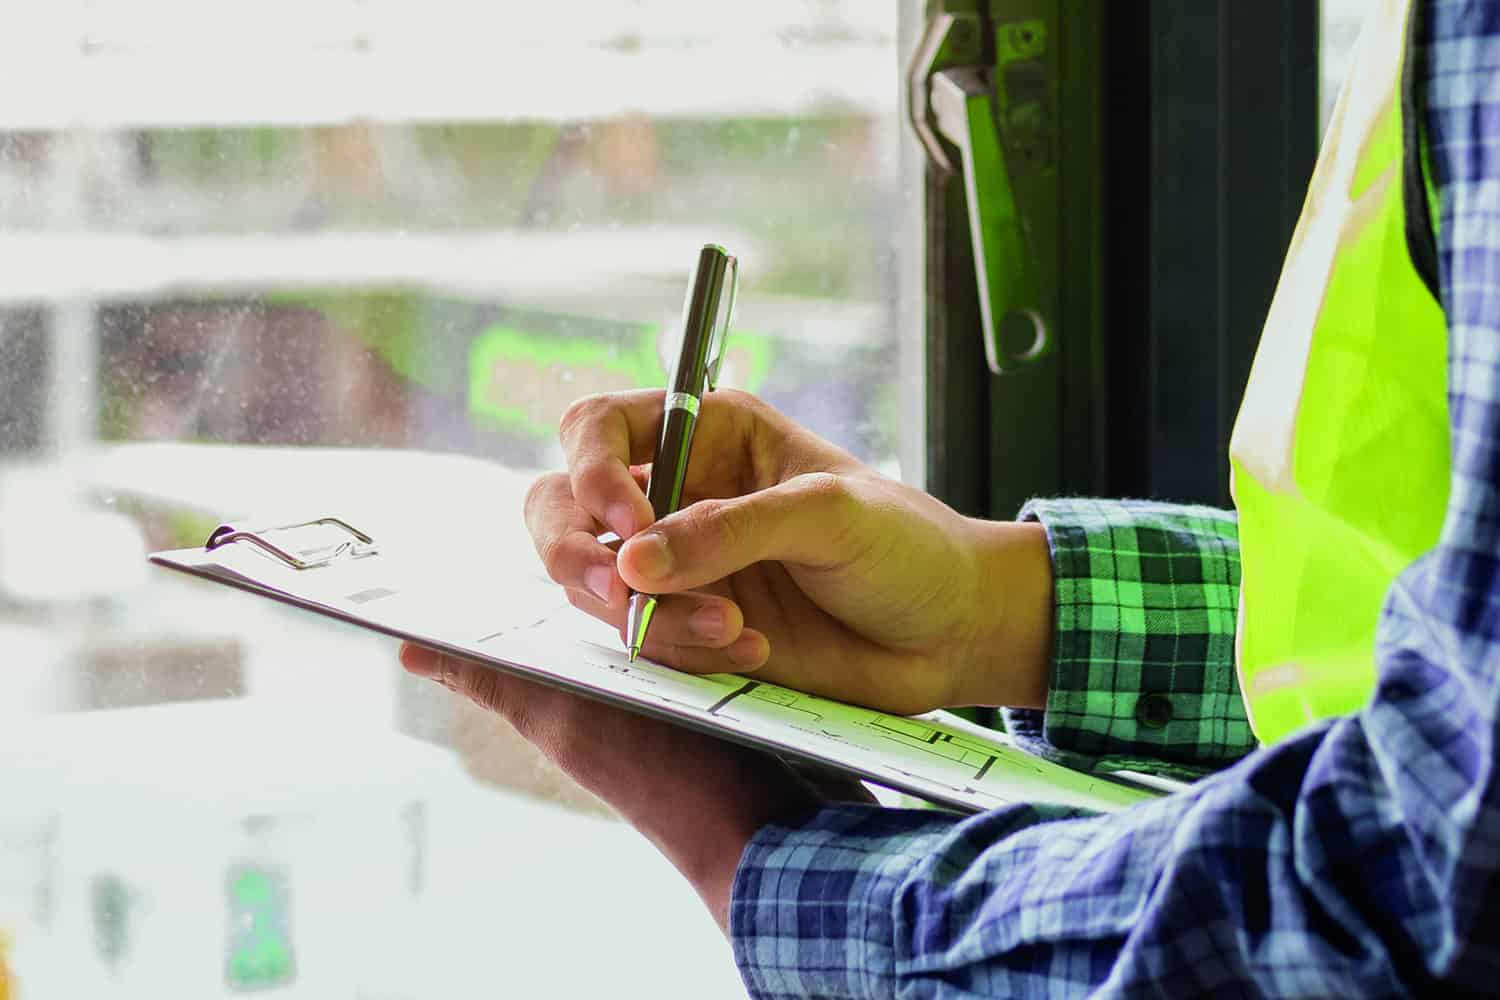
column 517, row 621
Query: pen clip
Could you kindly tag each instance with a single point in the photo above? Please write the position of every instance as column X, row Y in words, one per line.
column 720, row 336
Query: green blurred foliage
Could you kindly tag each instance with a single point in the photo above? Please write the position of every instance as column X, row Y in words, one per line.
column 792, row 184
column 206, row 155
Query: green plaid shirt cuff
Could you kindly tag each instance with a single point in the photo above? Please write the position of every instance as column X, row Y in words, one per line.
column 1143, row 671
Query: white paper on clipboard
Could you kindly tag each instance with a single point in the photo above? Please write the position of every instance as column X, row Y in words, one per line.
column 515, row 620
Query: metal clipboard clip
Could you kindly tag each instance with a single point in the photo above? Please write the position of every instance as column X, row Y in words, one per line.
column 358, row 547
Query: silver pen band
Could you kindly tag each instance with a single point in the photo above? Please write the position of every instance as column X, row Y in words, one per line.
column 682, row 401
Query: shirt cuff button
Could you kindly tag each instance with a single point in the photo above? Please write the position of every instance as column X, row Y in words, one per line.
column 1153, row 711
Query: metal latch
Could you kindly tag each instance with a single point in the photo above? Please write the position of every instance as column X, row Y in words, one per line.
column 952, row 100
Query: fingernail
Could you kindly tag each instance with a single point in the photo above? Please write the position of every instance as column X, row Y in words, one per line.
column 621, row 519
column 419, row 661
column 653, row 556
column 747, row 651
column 599, row 580
column 707, row 622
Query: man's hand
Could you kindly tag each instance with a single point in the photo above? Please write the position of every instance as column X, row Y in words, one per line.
column 792, row 559
column 697, row 799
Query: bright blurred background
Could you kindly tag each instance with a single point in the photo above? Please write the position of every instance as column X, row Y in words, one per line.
column 360, row 255
column 355, row 257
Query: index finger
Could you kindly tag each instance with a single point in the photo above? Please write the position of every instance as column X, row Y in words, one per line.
column 601, row 437
column 563, row 534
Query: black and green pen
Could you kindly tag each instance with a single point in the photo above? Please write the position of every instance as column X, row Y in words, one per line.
column 710, row 295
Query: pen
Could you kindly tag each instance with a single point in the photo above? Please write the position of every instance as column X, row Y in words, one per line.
column 696, row 372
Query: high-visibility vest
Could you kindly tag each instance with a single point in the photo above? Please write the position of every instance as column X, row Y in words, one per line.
column 1340, row 453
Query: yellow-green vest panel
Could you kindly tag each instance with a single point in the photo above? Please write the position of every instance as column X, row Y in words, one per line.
column 1340, row 453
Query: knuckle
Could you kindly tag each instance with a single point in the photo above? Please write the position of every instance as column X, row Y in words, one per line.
column 726, row 524
column 534, row 493
column 537, row 493
column 832, row 501
column 554, row 560
column 539, row 498
column 828, row 490
column 582, row 412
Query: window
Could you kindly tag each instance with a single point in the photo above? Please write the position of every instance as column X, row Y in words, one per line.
column 363, row 254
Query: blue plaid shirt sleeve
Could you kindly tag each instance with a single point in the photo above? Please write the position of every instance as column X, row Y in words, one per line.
column 1358, row 858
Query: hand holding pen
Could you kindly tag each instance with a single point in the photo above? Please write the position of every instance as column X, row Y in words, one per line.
column 786, row 556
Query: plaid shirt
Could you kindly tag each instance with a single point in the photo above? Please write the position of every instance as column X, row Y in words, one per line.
column 1143, row 671
column 1358, row 858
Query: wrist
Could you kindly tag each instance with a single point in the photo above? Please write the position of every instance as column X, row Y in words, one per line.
column 1009, row 659
column 703, row 824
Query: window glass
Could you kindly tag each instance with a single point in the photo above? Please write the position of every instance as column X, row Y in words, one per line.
column 360, row 254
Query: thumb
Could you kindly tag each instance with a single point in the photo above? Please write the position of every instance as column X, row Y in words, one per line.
column 811, row 520
column 523, row 703
column 479, row 684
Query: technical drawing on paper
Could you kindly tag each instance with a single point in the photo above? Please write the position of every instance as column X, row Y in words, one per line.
column 912, row 734
column 918, row 753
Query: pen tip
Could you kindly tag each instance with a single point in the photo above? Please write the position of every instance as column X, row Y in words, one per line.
column 634, row 652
